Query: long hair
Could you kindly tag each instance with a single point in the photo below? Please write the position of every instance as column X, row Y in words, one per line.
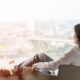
column 77, row 32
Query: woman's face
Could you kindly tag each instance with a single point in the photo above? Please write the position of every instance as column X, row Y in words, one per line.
column 75, row 39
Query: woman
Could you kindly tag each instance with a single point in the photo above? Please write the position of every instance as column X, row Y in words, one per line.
column 42, row 61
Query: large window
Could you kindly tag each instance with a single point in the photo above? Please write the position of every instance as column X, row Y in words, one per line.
column 52, row 37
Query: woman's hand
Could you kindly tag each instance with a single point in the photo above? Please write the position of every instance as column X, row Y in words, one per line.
column 39, row 65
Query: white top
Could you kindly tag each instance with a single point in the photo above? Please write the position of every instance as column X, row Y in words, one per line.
column 72, row 57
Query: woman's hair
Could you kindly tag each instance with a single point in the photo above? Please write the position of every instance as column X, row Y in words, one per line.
column 77, row 32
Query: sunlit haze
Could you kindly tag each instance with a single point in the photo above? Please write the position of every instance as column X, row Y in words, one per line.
column 45, row 24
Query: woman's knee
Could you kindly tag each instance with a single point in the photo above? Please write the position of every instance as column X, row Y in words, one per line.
column 44, row 57
column 40, row 55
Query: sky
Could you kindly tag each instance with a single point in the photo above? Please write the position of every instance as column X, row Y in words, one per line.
column 30, row 10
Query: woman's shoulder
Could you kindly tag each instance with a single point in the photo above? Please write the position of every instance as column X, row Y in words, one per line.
column 76, row 49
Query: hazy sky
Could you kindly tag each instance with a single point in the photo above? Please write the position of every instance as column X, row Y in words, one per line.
column 29, row 10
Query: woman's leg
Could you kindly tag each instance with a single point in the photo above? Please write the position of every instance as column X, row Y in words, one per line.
column 35, row 59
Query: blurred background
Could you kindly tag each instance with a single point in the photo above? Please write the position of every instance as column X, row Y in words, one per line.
column 28, row 27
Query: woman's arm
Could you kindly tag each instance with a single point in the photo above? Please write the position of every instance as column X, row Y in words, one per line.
column 65, row 60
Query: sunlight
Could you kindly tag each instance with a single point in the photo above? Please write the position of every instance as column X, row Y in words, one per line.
column 28, row 12
column 24, row 10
